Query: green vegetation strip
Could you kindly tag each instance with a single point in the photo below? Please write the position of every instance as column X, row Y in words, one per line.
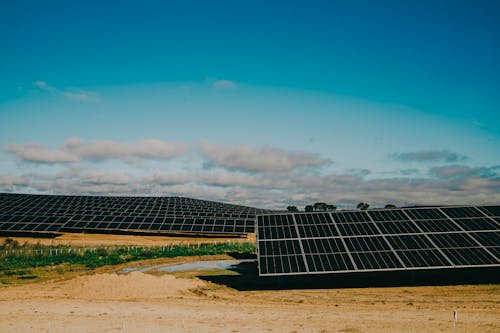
column 14, row 256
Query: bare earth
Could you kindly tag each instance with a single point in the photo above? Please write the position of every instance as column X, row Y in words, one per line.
column 138, row 302
column 109, row 240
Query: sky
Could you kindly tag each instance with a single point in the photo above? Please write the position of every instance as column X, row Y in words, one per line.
column 261, row 103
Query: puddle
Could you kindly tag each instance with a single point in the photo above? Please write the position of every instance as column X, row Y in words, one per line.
column 189, row 266
column 132, row 269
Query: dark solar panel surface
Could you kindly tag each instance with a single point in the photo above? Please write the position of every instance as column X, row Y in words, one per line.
column 378, row 240
column 51, row 213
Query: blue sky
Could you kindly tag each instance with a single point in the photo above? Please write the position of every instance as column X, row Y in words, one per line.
column 262, row 103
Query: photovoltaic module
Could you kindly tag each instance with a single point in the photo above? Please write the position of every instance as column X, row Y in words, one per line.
column 378, row 240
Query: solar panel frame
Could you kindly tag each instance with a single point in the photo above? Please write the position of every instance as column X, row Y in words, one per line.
column 470, row 236
column 491, row 210
column 431, row 257
column 486, row 238
column 127, row 214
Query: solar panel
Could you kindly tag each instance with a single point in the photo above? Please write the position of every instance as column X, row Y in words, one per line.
column 55, row 213
column 490, row 210
column 378, row 240
column 489, row 240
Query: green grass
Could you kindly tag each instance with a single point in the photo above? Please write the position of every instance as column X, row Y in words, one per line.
column 15, row 258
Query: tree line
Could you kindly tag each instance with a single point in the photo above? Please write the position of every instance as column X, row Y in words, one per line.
column 324, row 207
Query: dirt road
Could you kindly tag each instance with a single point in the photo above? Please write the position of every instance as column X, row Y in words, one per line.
column 138, row 302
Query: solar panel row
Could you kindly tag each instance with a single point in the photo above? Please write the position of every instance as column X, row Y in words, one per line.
column 391, row 239
column 47, row 213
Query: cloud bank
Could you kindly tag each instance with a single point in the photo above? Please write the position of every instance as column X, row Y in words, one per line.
column 76, row 150
column 269, row 191
column 464, row 171
column 267, row 177
column 263, row 159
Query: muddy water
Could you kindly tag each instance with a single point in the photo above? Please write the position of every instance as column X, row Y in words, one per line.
column 201, row 265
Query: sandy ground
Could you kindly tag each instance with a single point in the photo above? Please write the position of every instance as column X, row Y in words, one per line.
column 76, row 239
column 138, row 302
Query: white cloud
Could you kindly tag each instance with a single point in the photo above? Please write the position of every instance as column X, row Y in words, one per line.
column 224, row 84
column 10, row 183
column 38, row 153
column 243, row 180
column 13, row 180
column 75, row 150
column 105, row 149
column 74, row 94
column 464, row 171
column 81, row 96
column 106, row 178
column 167, row 179
column 264, row 159
column 43, row 85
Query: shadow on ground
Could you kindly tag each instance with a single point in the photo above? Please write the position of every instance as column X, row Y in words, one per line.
column 249, row 279
column 242, row 255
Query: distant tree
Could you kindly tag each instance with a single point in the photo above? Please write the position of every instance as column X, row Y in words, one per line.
column 390, row 206
column 323, row 207
column 319, row 206
column 292, row 209
column 331, row 207
column 363, row 206
column 309, row 208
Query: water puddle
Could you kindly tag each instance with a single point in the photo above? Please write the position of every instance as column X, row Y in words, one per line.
column 201, row 265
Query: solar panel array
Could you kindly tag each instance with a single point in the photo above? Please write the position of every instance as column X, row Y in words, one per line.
column 56, row 213
column 378, row 240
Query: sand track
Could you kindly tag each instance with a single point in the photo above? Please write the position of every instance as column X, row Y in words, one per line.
column 138, row 302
